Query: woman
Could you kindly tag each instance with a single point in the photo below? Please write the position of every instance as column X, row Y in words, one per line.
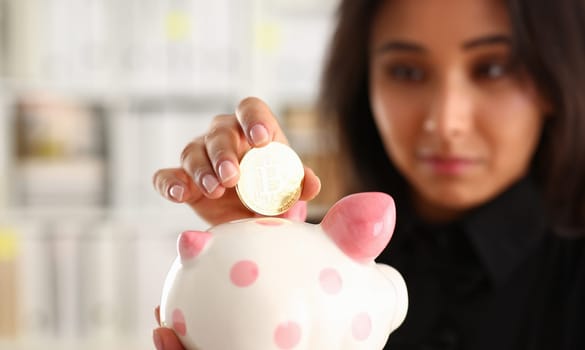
column 471, row 114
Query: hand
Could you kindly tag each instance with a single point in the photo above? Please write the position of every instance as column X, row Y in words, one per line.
column 165, row 338
column 209, row 168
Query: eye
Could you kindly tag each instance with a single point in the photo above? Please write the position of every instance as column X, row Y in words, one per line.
column 490, row 70
column 406, row 73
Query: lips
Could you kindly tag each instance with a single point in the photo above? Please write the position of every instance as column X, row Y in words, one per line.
column 449, row 164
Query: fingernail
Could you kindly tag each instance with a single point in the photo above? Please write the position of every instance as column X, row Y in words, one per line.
column 176, row 192
column 209, row 183
column 227, row 170
column 258, row 134
column 157, row 340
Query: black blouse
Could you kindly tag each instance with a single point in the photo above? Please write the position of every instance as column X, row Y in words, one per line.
column 500, row 279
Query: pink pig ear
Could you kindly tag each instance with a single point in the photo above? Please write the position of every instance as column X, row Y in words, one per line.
column 191, row 243
column 361, row 224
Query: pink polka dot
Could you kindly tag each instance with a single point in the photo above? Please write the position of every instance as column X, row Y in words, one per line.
column 361, row 326
column 330, row 281
column 269, row 222
column 287, row 335
column 179, row 322
column 244, row 273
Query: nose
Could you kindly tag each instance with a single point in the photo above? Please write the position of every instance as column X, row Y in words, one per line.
column 451, row 112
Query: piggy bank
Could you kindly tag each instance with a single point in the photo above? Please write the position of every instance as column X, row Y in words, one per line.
column 271, row 283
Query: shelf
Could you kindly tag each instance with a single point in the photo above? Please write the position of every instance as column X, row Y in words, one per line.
column 158, row 72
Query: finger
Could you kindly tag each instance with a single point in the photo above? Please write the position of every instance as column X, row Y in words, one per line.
column 225, row 145
column 298, row 212
column 258, row 123
column 166, row 339
column 311, row 185
column 157, row 314
column 175, row 185
column 195, row 162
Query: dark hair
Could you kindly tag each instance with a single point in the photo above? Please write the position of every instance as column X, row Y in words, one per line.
column 549, row 44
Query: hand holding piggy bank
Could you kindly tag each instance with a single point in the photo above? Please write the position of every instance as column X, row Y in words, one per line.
column 270, row 283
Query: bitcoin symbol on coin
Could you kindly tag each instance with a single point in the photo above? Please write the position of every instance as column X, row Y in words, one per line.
column 270, row 179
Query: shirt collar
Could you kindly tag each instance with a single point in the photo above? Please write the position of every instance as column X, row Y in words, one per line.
column 506, row 230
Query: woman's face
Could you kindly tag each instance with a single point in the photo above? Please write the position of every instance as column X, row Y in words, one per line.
column 455, row 120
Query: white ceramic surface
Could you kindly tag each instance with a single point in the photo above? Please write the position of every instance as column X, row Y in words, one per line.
column 271, row 283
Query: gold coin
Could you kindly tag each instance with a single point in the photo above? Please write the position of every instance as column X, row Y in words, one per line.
column 271, row 179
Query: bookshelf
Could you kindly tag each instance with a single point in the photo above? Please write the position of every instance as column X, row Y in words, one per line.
column 114, row 90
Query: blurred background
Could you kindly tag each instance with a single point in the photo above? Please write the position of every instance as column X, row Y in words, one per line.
column 95, row 95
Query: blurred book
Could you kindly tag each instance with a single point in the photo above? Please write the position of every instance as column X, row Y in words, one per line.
column 61, row 153
column 8, row 288
column 36, row 302
column 316, row 145
column 155, row 252
column 65, row 254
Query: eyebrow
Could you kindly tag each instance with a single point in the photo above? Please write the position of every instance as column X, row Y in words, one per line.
column 408, row 46
column 496, row 39
column 400, row 45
